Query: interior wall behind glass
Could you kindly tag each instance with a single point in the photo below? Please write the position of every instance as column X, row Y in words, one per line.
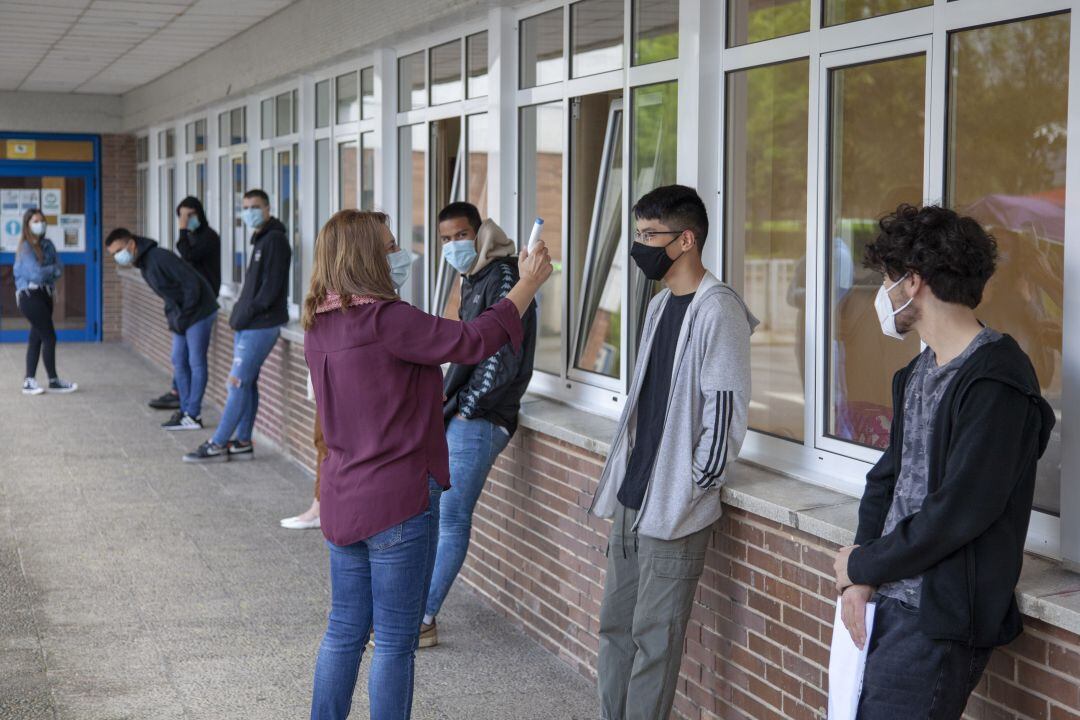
column 477, row 164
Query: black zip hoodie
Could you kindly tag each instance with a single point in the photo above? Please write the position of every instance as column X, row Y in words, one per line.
column 188, row 297
column 263, row 301
column 967, row 541
column 202, row 249
column 493, row 389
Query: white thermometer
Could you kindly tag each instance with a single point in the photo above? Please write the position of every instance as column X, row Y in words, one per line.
column 534, row 237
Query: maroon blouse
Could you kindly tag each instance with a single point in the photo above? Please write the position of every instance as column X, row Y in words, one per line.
column 378, row 388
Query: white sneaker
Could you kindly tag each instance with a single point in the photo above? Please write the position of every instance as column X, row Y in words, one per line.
column 30, row 387
column 295, row 523
column 56, row 385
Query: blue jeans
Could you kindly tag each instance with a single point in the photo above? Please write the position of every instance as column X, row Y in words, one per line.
column 250, row 350
column 380, row 582
column 189, row 364
column 474, row 445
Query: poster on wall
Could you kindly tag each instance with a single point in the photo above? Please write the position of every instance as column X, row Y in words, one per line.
column 29, row 200
column 52, row 201
column 9, row 201
column 56, row 234
column 74, row 229
column 11, row 227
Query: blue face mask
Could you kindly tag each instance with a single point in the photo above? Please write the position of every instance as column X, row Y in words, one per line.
column 124, row 257
column 400, row 264
column 252, row 217
column 461, row 254
column 193, row 223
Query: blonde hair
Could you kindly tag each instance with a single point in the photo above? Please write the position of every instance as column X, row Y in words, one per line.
column 350, row 259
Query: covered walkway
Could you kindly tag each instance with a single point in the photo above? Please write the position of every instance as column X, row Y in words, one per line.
column 134, row 586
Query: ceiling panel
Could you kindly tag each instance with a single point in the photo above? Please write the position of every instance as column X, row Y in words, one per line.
column 112, row 46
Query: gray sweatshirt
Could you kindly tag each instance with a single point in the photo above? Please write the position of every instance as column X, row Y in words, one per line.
column 706, row 415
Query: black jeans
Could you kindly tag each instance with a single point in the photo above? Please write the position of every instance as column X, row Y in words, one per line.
column 912, row 677
column 37, row 307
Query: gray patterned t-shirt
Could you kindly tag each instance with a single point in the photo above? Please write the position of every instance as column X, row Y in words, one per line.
column 925, row 388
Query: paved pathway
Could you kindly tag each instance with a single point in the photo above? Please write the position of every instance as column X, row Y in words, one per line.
column 134, row 586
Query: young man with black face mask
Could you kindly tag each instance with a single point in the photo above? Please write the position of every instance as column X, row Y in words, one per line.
column 683, row 424
column 945, row 513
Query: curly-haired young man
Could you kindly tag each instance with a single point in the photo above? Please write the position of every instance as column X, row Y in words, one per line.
column 944, row 516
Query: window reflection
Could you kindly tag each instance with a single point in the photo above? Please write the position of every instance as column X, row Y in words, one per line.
column 411, row 88
column 751, row 21
column 1009, row 91
column 541, row 40
column 348, row 99
column 596, row 34
column 844, row 11
column 476, row 49
column 446, row 73
column 655, row 30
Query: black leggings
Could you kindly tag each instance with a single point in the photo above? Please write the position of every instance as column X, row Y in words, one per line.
column 37, row 307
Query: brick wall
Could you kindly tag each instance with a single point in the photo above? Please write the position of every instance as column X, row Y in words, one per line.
column 117, row 210
column 757, row 644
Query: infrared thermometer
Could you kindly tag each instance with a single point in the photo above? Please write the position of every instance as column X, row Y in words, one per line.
column 534, row 237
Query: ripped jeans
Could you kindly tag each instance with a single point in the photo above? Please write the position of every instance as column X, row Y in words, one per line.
column 250, row 350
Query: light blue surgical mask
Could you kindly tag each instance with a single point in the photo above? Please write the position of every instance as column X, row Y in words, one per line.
column 124, row 257
column 461, row 254
column 400, row 264
column 193, row 223
column 252, row 217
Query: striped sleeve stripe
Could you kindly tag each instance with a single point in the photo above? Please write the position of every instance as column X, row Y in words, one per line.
column 716, row 437
column 718, row 461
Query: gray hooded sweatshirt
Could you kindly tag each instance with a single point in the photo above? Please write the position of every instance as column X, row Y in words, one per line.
column 706, row 415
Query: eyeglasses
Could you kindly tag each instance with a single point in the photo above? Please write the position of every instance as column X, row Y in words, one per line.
column 648, row 235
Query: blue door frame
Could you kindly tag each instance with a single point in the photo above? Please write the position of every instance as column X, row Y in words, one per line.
column 91, row 255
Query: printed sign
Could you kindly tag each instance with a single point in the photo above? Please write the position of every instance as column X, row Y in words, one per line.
column 29, row 200
column 74, row 228
column 11, row 224
column 52, row 201
column 9, row 201
column 21, row 149
column 56, row 234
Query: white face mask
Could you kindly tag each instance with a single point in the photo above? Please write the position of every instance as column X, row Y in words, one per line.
column 886, row 314
column 37, row 227
column 400, row 264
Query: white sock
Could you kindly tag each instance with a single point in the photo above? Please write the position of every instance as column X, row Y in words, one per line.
column 428, row 619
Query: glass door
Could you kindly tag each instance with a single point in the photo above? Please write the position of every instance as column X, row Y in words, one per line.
column 67, row 194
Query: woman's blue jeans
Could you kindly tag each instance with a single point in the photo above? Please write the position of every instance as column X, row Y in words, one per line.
column 250, row 350
column 380, row 582
column 474, row 445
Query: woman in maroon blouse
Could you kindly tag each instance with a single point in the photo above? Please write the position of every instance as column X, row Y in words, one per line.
column 375, row 367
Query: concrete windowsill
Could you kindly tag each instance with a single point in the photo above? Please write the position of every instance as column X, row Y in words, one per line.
column 1046, row 591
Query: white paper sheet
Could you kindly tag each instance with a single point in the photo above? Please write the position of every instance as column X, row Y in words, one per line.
column 846, row 666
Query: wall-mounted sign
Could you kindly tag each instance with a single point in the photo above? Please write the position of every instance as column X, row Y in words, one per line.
column 9, row 201
column 29, row 200
column 74, row 227
column 10, row 231
column 52, row 201
column 21, row 149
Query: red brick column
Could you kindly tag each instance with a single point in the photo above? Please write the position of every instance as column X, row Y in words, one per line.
column 118, row 209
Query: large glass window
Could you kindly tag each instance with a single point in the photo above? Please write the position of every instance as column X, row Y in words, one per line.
column 368, row 106
column 195, row 136
column 1008, row 104
column 412, row 93
column 445, row 72
column 655, row 30
column 412, row 159
column 348, row 98
column 347, row 175
column 844, row 11
column 476, row 53
column 367, row 171
column 142, row 180
column 166, row 193
column 237, row 173
column 238, row 126
column 541, row 191
column 445, row 186
column 751, row 21
column 322, row 182
column 541, row 39
column 765, row 233
column 322, row 104
column 596, row 230
column 876, row 146
column 596, row 37
column 477, row 166
column 196, row 179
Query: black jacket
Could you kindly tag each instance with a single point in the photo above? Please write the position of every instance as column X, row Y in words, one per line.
column 491, row 390
column 968, row 539
column 263, row 301
column 188, row 297
column 202, row 249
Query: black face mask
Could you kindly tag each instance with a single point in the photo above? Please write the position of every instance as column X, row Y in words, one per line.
column 653, row 260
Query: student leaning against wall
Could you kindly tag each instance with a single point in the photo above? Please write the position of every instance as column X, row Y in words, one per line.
column 37, row 268
column 375, row 367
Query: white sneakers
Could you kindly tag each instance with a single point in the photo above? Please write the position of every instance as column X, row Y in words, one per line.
column 30, row 387
column 295, row 523
column 56, row 385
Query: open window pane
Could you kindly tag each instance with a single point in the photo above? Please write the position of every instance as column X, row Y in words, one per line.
column 845, row 11
column 596, row 230
column 765, row 200
column 476, row 53
column 412, row 158
column 540, row 183
column 368, row 106
column 445, row 68
column 653, row 149
column 596, row 37
column 876, row 140
column 477, row 166
column 347, row 175
column 412, row 93
column 1008, row 88
column 322, row 104
column 367, row 171
column 541, row 39
column 656, row 31
column 348, row 99
column 751, row 21
column 445, row 188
